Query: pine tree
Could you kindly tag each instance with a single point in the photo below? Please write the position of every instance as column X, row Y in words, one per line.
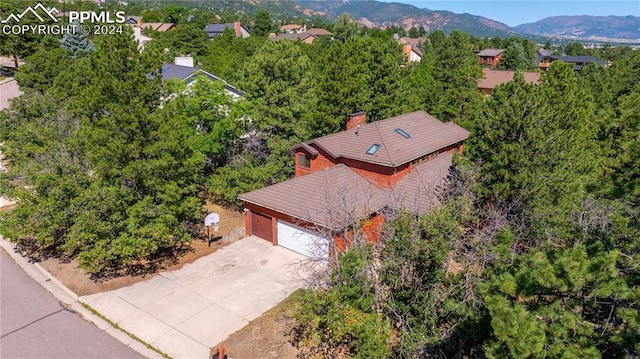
column 77, row 42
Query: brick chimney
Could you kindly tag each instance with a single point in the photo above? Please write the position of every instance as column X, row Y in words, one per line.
column 357, row 118
column 237, row 27
column 406, row 49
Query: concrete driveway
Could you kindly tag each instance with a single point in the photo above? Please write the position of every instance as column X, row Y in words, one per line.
column 185, row 312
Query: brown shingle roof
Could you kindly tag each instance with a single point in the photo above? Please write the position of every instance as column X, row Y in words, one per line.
column 490, row 52
column 290, row 27
column 318, row 32
column 493, row 78
column 417, row 191
column 428, row 134
column 332, row 197
column 300, row 36
column 338, row 196
column 158, row 26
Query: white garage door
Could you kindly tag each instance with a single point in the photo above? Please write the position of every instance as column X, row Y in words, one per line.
column 302, row 241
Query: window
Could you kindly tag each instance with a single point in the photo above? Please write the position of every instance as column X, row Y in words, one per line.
column 304, row 160
column 402, row 133
column 434, row 155
column 373, row 149
column 415, row 162
column 425, row 158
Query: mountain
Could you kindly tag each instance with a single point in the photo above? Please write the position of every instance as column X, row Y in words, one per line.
column 597, row 28
column 372, row 13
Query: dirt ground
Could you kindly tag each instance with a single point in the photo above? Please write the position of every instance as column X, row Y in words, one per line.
column 76, row 279
column 264, row 337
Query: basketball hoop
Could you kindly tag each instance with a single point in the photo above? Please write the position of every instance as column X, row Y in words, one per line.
column 212, row 219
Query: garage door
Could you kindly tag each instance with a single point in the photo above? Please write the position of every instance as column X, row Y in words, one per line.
column 261, row 226
column 302, row 241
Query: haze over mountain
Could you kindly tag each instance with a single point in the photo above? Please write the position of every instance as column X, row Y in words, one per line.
column 585, row 27
column 373, row 13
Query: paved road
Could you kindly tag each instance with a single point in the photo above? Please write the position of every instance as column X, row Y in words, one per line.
column 8, row 90
column 33, row 324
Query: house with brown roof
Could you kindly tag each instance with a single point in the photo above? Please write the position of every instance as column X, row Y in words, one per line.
column 355, row 176
column 214, row 30
column 303, row 36
column 492, row 78
column 319, row 32
column 490, row 57
column 158, row 26
column 411, row 48
column 293, row 29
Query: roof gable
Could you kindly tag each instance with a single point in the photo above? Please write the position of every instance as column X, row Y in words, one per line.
column 427, row 134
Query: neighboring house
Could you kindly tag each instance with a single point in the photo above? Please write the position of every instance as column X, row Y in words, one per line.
column 544, row 61
column 319, row 32
column 411, row 48
column 492, row 78
column 134, row 20
column 304, row 37
column 158, row 26
column 355, row 176
column 490, row 57
column 214, row 30
column 184, row 70
column 293, row 29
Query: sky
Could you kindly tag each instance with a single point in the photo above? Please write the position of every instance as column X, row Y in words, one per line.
column 516, row 12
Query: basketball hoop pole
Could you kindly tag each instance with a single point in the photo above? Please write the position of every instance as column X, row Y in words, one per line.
column 212, row 219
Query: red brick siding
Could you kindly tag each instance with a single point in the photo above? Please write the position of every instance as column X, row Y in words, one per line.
column 490, row 60
column 372, row 230
column 318, row 162
column 381, row 176
column 321, row 161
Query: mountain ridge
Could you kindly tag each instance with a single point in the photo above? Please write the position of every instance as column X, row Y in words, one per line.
column 374, row 13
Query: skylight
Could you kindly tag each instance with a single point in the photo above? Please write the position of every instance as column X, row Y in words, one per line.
column 375, row 147
column 402, row 133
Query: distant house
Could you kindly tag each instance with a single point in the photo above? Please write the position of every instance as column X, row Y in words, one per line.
column 411, row 48
column 214, row 30
column 304, row 37
column 183, row 69
column 545, row 59
column 134, row 20
column 492, row 78
column 293, row 29
column 158, row 26
column 355, row 175
column 319, row 32
column 490, row 57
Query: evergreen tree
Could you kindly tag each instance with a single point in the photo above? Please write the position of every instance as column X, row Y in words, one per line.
column 263, row 25
column 344, row 28
column 76, row 42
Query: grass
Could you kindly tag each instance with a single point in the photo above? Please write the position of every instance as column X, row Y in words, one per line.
column 115, row 325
